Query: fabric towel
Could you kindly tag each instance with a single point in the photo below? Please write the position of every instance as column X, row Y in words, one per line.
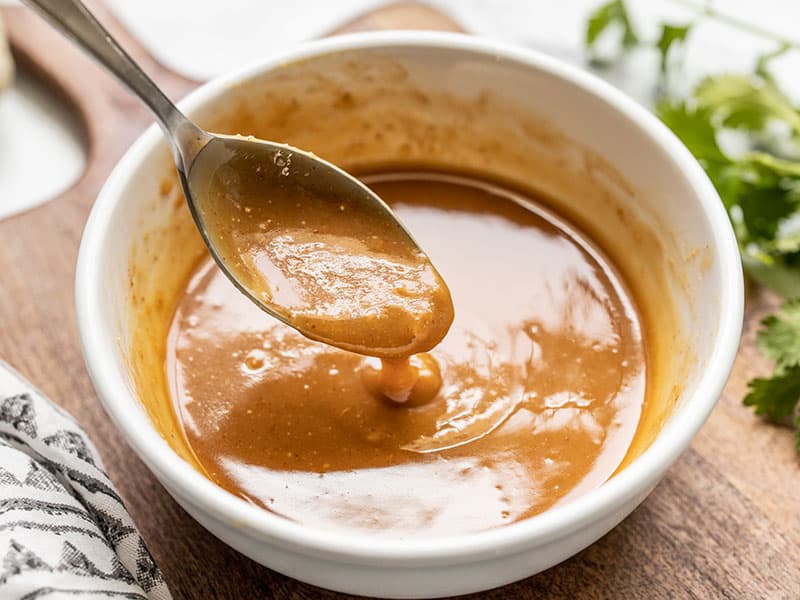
column 64, row 530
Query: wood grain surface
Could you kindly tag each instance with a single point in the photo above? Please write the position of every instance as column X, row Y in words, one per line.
column 724, row 523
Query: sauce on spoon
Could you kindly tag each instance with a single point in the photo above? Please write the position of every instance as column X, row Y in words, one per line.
column 328, row 263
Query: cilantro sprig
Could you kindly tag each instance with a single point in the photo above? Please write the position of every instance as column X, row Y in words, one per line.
column 758, row 181
column 612, row 15
column 776, row 396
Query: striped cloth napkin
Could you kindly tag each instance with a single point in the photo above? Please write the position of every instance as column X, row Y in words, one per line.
column 64, row 530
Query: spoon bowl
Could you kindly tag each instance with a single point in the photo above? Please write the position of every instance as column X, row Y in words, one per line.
column 315, row 248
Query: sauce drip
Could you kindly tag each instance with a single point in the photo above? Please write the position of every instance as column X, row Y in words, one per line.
column 411, row 381
column 542, row 381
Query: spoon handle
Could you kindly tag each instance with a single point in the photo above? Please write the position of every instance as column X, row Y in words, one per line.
column 74, row 21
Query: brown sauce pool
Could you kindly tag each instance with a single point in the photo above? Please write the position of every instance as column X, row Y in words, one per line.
column 542, row 380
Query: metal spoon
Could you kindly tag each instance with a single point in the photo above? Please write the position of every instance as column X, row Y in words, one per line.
column 266, row 179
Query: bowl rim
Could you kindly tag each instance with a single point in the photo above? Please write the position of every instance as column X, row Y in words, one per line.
column 629, row 485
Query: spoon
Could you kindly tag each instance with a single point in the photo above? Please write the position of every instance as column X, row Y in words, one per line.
column 308, row 243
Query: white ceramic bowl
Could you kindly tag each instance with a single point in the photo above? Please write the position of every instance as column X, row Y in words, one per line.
column 677, row 200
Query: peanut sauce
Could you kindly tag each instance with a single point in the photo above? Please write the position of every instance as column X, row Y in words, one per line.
column 532, row 397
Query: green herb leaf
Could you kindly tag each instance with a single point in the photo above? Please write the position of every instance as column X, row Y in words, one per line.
column 609, row 16
column 695, row 128
column 763, row 209
column 766, row 191
column 670, row 35
column 761, row 189
column 779, row 338
column 776, row 396
column 759, row 183
column 746, row 102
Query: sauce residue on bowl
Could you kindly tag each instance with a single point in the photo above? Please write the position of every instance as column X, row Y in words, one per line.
column 542, row 380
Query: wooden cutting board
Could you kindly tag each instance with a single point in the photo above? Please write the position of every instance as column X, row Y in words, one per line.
column 724, row 523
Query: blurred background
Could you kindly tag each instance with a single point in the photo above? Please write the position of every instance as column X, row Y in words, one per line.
column 36, row 125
